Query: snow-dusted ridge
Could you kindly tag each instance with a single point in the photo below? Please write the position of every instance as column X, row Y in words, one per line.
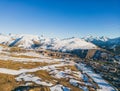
column 92, row 38
column 26, row 41
column 104, row 42
column 71, row 44
column 5, row 39
column 33, row 41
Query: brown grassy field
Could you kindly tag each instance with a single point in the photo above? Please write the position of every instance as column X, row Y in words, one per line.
column 22, row 56
column 18, row 65
column 7, row 82
column 26, row 65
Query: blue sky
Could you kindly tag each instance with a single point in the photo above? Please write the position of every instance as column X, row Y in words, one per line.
column 61, row 18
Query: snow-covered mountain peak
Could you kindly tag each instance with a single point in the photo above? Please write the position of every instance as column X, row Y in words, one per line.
column 26, row 41
column 5, row 39
column 91, row 38
column 103, row 38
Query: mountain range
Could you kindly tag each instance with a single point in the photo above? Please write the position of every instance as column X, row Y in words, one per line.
column 63, row 45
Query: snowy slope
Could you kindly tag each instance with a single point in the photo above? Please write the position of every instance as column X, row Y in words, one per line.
column 69, row 44
column 5, row 39
column 26, row 41
column 99, row 41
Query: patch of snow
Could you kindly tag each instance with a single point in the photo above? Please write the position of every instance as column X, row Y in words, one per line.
column 56, row 88
column 77, row 84
column 61, row 74
column 59, row 88
column 32, row 54
column 74, row 82
column 32, row 78
column 28, row 83
column 84, row 88
column 1, row 48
